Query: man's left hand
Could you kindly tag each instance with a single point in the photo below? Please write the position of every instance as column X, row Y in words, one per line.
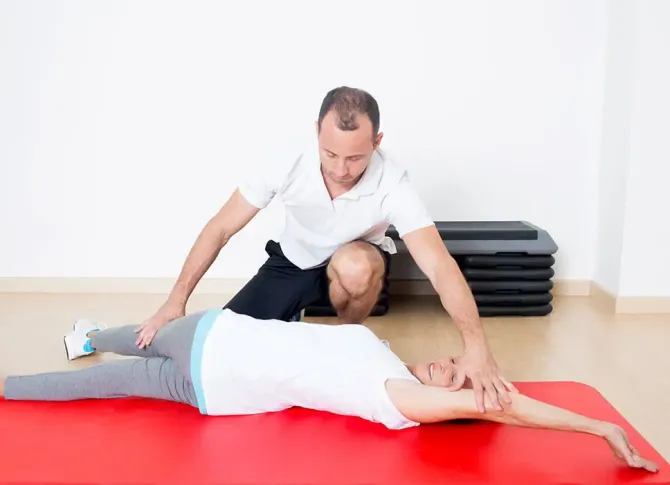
column 480, row 368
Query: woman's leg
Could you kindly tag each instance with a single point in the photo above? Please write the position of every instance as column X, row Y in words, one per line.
column 154, row 377
column 174, row 340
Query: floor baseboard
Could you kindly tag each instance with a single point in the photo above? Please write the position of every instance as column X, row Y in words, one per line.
column 630, row 304
column 212, row 286
column 643, row 304
column 161, row 286
column 604, row 297
column 571, row 287
column 229, row 286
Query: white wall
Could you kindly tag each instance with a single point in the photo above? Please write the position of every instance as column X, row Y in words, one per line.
column 614, row 154
column 633, row 244
column 646, row 244
column 118, row 115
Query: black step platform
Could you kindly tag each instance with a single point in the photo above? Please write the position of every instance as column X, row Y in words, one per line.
column 511, row 286
column 520, row 311
column 507, row 274
column 480, row 231
column 507, row 264
column 505, row 261
column 513, row 299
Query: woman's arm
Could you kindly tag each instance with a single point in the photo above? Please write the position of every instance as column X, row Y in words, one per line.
column 431, row 404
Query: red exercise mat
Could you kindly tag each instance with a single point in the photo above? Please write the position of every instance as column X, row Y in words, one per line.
column 135, row 441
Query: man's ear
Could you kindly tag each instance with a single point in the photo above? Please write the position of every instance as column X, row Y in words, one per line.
column 378, row 140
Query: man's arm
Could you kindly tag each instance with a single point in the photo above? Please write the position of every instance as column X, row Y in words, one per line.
column 405, row 210
column 431, row 256
column 431, row 404
column 230, row 219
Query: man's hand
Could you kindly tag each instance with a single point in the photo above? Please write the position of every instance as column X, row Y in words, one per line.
column 147, row 330
column 479, row 367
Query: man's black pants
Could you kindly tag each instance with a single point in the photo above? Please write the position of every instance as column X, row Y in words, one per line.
column 280, row 290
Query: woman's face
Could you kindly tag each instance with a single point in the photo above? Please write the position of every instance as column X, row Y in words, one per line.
column 438, row 373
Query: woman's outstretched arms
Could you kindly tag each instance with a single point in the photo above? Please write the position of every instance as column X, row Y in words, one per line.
column 430, row 404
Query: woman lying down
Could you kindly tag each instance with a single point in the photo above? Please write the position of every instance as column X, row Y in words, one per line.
column 224, row 363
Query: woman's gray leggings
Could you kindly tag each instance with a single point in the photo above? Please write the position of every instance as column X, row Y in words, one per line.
column 162, row 373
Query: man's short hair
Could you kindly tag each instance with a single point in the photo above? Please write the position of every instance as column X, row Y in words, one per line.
column 348, row 103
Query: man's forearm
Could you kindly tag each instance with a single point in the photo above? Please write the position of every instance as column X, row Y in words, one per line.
column 231, row 218
column 202, row 255
column 457, row 299
column 428, row 250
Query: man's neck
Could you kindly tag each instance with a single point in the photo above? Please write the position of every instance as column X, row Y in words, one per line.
column 335, row 190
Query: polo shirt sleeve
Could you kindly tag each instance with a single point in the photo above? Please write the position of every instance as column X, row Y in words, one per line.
column 262, row 186
column 405, row 209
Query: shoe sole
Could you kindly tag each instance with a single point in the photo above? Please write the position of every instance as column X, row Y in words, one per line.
column 67, row 354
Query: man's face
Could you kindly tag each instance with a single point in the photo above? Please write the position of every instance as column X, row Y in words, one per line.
column 345, row 154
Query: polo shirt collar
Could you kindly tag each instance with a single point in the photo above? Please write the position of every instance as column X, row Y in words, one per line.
column 369, row 182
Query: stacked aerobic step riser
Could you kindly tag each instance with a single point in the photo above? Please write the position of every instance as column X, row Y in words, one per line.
column 508, row 265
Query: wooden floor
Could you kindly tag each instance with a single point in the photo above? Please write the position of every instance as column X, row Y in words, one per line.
column 626, row 357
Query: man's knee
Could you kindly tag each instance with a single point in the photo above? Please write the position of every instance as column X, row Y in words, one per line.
column 357, row 267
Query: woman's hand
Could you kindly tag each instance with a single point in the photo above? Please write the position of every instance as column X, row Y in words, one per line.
column 618, row 441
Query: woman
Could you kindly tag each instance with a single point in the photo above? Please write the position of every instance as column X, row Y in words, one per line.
column 225, row 363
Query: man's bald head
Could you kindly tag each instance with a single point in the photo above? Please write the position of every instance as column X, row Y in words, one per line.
column 349, row 105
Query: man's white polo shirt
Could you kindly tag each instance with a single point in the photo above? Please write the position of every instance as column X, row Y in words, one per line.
column 317, row 226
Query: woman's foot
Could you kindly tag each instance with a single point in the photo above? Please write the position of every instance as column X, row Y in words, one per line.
column 78, row 341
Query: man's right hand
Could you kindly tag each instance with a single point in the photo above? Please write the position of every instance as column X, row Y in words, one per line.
column 147, row 330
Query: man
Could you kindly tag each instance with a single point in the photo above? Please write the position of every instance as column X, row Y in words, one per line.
column 340, row 198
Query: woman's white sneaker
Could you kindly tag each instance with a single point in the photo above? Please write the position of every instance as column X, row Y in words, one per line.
column 77, row 343
column 88, row 325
